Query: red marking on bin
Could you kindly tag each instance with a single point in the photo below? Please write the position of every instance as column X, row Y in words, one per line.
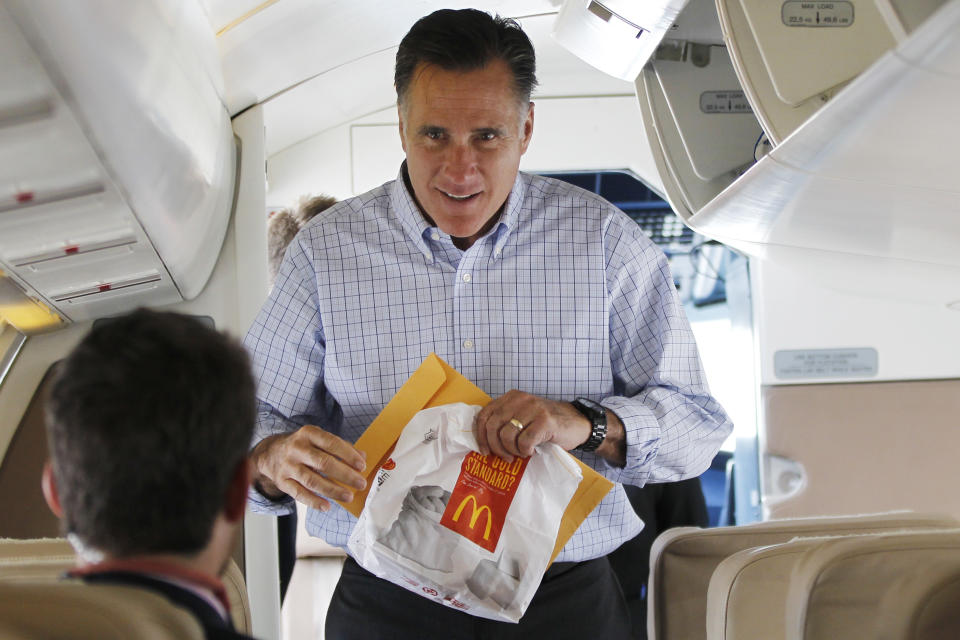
column 25, row 196
column 104, row 287
column 71, row 249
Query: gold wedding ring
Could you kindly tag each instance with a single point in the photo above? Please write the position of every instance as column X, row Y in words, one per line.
column 516, row 423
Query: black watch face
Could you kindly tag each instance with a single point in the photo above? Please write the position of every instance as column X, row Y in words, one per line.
column 592, row 406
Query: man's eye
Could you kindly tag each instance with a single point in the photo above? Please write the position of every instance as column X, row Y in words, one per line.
column 435, row 135
column 487, row 136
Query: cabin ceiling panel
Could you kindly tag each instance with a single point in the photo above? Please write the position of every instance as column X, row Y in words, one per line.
column 318, row 105
column 289, row 41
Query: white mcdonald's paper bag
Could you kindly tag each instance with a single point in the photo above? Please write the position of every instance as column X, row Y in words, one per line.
column 469, row 531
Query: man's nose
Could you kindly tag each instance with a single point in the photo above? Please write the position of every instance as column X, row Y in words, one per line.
column 461, row 162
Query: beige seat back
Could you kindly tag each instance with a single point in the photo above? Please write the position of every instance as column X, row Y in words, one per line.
column 748, row 591
column 77, row 611
column 922, row 606
column 46, row 559
column 682, row 561
column 839, row 587
column 40, row 558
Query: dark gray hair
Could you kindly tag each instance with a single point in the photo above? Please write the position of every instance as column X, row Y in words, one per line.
column 466, row 40
column 147, row 421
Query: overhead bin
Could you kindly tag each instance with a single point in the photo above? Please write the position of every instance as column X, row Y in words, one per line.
column 117, row 158
column 793, row 56
column 702, row 129
column 873, row 172
column 865, row 170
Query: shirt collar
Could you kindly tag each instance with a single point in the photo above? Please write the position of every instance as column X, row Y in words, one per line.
column 418, row 229
column 511, row 214
column 414, row 224
column 208, row 587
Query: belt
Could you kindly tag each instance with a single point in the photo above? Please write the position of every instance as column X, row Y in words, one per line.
column 559, row 568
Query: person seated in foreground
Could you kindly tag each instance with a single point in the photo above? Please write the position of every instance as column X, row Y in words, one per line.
column 148, row 423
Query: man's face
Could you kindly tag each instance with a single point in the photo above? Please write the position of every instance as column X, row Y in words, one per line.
column 463, row 134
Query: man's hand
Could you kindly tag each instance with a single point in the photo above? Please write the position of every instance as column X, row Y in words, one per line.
column 543, row 420
column 310, row 465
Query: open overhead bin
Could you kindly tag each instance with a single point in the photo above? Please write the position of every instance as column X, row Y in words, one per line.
column 117, row 158
column 856, row 160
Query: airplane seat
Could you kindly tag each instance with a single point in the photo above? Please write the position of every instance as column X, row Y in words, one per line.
column 40, row 558
column 77, row 611
column 44, row 560
column 922, row 606
column 839, row 587
column 683, row 560
column 238, row 597
column 748, row 590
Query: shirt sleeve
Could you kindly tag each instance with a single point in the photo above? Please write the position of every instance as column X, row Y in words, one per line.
column 674, row 427
column 287, row 348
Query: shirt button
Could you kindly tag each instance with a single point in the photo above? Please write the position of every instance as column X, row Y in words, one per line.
column 498, row 252
column 435, row 235
column 468, row 344
column 466, row 277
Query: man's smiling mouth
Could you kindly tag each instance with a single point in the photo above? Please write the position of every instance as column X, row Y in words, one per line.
column 460, row 198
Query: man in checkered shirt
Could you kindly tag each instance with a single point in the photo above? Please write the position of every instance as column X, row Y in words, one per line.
column 537, row 291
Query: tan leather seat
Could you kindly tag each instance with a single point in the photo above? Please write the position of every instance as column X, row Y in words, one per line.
column 76, row 611
column 748, row 591
column 839, row 588
column 42, row 558
column 922, row 606
column 46, row 559
column 683, row 560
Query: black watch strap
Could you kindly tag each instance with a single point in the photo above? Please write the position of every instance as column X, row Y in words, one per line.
column 597, row 415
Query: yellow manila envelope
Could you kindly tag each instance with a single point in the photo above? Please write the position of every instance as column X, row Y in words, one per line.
column 436, row 383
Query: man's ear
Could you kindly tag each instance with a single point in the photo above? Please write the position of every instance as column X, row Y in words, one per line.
column 236, row 499
column 403, row 138
column 49, row 485
column 527, row 131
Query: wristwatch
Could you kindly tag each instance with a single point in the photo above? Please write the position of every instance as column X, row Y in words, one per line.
column 597, row 416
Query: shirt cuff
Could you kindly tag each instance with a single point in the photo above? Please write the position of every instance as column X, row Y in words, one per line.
column 260, row 503
column 642, row 434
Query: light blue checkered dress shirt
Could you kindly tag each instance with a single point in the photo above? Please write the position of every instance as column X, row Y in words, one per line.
column 564, row 297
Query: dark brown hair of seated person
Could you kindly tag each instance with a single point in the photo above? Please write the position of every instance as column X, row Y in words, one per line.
column 148, row 419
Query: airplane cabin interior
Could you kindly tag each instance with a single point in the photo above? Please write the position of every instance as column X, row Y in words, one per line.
column 796, row 161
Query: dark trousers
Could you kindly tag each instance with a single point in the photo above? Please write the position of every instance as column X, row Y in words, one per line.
column 661, row 507
column 579, row 601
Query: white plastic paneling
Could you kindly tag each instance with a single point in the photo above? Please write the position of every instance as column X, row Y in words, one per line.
column 711, row 115
column 568, row 134
column 375, row 155
column 697, row 23
column 284, row 43
column 67, row 236
column 871, row 175
column 686, row 191
column 834, row 42
column 43, row 154
column 777, row 118
column 810, row 303
column 141, row 78
column 615, row 37
column 260, row 531
column 60, row 244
